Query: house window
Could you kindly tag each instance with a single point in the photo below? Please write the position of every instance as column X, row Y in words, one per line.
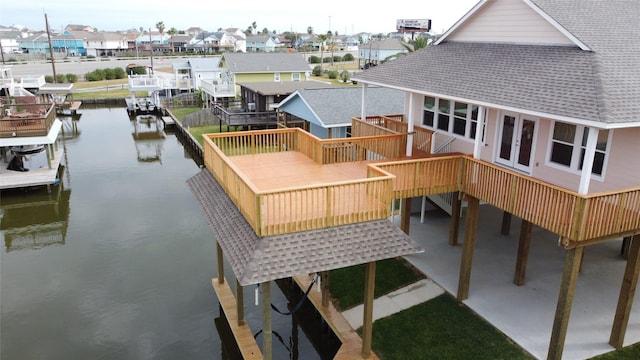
column 455, row 118
column 569, row 145
column 295, row 76
column 276, row 76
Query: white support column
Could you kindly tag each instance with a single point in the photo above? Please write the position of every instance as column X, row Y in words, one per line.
column 587, row 165
column 477, row 145
column 363, row 110
column 410, row 123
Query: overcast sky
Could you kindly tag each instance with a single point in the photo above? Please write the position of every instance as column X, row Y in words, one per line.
column 345, row 17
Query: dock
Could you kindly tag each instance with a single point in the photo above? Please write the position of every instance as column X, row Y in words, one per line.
column 242, row 333
column 168, row 121
column 34, row 177
column 351, row 348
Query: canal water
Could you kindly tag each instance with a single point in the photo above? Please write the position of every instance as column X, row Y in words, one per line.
column 116, row 261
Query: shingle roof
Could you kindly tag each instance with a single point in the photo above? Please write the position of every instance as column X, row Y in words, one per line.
column 282, row 87
column 266, row 62
column 601, row 85
column 338, row 105
column 255, row 260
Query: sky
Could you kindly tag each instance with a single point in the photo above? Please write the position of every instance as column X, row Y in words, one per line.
column 345, row 17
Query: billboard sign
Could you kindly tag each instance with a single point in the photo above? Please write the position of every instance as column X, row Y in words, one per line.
column 413, row 25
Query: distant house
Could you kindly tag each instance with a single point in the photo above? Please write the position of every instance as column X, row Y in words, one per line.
column 72, row 27
column 260, row 43
column 202, row 68
column 9, row 40
column 328, row 111
column 180, row 42
column 376, row 52
column 265, row 96
column 260, row 67
column 103, row 43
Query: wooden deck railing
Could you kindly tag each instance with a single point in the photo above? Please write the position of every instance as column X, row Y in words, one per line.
column 26, row 120
column 391, row 124
column 300, row 208
column 575, row 218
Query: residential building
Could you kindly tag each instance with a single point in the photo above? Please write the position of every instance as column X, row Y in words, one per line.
column 328, row 111
column 261, row 43
column 549, row 105
column 376, row 52
column 260, row 67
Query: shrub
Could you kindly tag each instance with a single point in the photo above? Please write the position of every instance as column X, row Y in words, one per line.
column 345, row 76
column 314, row 59
column 48, row 79
column 348, row 57
column 337, row 58
column 95, row 75
column 72, row 78
column 60, row 78
column 119, row 73
column 108, row 74
column 332, row 74
column 317, row 71
column 327, row 60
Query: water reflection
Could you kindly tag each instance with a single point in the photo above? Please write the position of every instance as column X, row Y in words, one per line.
column 35, row 218
column 126, row 259
column 148, row 136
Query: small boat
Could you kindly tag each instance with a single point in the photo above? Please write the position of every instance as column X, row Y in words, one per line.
column 27, row 149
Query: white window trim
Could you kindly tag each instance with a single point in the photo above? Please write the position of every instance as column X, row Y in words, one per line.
column 467, row 137
column 293, row 76
column 276, row 76
column 575, row 159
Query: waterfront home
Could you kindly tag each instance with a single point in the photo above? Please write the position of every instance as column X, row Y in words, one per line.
column 544, row 96
column 327, row 112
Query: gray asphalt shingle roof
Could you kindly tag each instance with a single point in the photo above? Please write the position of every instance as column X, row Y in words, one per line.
column 255, row 260
column 282, row 87
column 337, row 106
column 601, row 85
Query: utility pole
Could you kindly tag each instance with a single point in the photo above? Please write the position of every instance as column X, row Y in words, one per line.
column 151, row 47
column 53, row 62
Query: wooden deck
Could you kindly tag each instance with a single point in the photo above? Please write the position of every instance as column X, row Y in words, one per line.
column 274, row 171
column 10, row 179
column 351, row 348
column 242, row 333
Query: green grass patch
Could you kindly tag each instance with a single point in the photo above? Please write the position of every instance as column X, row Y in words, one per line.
column 441, row 328
column 347, row 284
column 181, row 112
column 92, row 84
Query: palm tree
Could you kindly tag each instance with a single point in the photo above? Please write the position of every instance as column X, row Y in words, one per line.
column 309, row 30
column 171, row 33
column 160, row 27
column 416, row 44
column 323, row 39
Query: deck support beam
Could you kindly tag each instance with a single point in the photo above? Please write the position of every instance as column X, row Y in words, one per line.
column 627, row 294
column 506, row 223
column 405, row 215
column 523, row 253
column 267, row 334
column 220, row 263
column 471, row 224
column 240, row 303
column 565, row 300
column 367, row 316
column 454, row 225
column 326, row 295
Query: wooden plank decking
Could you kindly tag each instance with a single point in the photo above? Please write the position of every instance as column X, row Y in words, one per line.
column 10, row 179
column 242, row 333
column 351, row 348
column 289, row 169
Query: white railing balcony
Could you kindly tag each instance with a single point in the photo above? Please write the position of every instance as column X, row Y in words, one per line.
column 30, row 81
